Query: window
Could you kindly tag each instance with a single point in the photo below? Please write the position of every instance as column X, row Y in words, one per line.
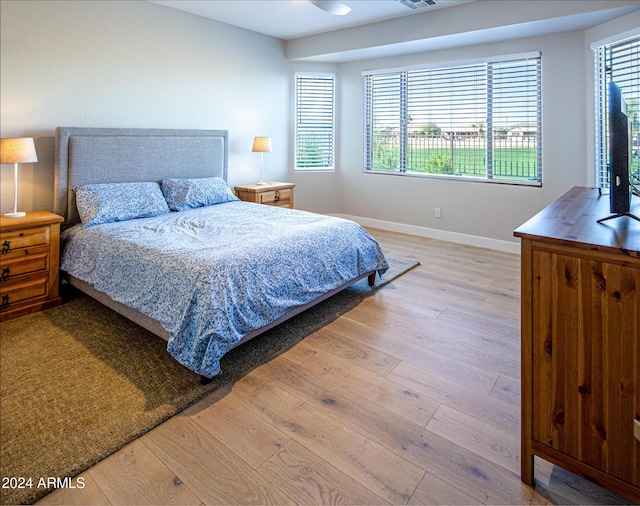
column 619, row 62
column 314, row 121
column 478, row 121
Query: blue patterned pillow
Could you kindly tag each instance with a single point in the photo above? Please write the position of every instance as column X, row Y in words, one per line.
column 109, row 202
column 183, row 194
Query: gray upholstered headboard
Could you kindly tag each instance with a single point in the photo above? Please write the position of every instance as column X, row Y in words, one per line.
column 111, row 155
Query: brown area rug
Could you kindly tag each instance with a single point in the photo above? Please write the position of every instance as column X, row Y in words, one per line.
column 78, row 382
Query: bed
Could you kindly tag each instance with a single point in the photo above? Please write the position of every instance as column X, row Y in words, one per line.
column 153, row 231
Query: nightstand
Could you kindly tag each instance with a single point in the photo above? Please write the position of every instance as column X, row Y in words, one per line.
column 29, row 263
column 273, row 194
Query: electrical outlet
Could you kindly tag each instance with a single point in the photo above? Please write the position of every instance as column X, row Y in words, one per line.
column 437, row 212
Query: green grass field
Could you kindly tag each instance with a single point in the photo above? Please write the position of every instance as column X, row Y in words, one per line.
column 511, row 163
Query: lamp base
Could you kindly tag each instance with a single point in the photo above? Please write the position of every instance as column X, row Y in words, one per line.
column 15, row 214
column 262, row 182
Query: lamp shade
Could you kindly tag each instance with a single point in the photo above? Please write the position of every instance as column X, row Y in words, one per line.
column 262, row 145
column 18, row 150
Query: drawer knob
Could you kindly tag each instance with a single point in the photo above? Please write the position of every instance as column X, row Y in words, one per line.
column 5, row 302
column 5, row 274
column 6, row 247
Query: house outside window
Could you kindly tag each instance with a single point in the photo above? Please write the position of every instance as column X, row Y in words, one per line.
column 478, row 120
column 619, row 62
column 314, row 121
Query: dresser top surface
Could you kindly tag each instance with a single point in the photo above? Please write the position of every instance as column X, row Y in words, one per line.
column 573, row 220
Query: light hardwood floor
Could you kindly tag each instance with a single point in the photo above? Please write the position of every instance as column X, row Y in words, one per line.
column 413, row 397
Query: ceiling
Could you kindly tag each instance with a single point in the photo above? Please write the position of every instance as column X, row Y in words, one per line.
column 291, row 19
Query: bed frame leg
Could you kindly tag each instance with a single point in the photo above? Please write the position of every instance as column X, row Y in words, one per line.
column 372, row 278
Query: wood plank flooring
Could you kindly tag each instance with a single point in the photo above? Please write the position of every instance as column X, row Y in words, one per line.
column 413, row 397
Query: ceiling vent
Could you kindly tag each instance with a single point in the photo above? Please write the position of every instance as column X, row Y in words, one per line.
column 418, row 4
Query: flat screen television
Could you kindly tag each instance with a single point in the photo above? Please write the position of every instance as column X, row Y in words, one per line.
column 620, row 154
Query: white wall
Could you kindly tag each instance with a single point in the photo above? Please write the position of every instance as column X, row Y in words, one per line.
column 476, row 213
column 136, row 64
column 473, row 208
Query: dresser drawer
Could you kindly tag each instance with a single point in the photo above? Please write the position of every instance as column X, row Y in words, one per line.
column 276, row 197
column 23, row 292
column 12, row 266
column 14, row 240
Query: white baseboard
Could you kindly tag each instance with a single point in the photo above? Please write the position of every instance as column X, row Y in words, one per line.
column 442, row 235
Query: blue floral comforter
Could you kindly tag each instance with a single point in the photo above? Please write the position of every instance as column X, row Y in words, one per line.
column 213, row 274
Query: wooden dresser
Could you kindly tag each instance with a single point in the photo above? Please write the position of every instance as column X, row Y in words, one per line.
column 29, row 263
column 581, row 341
column 273, row 194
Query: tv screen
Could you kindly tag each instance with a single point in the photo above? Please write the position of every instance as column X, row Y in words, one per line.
column 619, row 151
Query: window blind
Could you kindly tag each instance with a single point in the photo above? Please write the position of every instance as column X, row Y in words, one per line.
column 619, row 62
column 314, row 121
column 479, row 120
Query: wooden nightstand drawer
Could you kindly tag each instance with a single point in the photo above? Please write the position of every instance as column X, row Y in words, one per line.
column 19, row 265
column 20, row 239
column 276, row 198
column 23, row 292
column 272, row 194
column 29, row 263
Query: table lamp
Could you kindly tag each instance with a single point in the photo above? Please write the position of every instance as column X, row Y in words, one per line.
column 261, row 145
column 17, row 150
